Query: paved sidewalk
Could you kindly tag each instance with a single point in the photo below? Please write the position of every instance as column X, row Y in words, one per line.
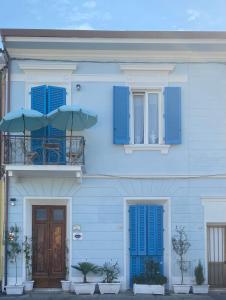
column 123, row 296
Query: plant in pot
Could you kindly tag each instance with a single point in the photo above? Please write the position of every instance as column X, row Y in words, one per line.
column 180, row 246
column 200, row 287
column 110, row 271
column 86, row 287
column 66, row 283
column 14, row 249
column 151, row 281
column 27, row 249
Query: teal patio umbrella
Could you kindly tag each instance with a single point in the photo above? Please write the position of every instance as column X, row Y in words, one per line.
column 22, row 120
column 71, row 117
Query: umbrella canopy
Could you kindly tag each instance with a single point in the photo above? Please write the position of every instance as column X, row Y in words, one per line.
column 23, row 119
column 71, row 117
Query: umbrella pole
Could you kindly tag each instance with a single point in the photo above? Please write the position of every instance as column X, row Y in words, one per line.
column 71, row 138
column 24, row 142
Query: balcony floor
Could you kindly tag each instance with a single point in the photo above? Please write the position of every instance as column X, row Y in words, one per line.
column 66, row 171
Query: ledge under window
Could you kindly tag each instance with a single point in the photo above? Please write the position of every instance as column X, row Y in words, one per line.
column 164, row 149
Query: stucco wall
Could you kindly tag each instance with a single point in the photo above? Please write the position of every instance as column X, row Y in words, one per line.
column 203, row 148
column 97, row 205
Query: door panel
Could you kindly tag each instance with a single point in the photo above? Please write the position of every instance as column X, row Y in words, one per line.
column 216, row 246
column 49, row 233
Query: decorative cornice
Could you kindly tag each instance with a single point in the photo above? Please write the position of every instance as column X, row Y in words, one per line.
column 34, row 65
column 146, row 67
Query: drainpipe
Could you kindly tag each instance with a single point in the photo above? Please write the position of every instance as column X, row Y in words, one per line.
column 7, row 109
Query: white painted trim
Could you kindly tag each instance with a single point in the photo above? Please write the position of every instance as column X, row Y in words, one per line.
column 166, row 202
column 27, row 220
column 118, row 40
column 164, row 149
column 40, row 65
column 119, row 55
column 74, row 171
column 146, row 67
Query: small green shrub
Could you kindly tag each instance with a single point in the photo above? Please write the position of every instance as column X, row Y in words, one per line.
column 199, row 277
column 110, row 271
column 85, row 268
column 151, row 274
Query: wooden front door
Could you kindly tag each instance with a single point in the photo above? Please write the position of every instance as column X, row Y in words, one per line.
column 216, row 239
column 48, row 234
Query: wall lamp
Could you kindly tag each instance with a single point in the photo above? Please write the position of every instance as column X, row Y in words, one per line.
column 78, row 87
column 12, row 201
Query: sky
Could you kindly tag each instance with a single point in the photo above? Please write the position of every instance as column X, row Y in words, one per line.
column 114, row 14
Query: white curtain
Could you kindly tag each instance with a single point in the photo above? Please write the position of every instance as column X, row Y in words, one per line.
column 153, row 126
column 138, row 106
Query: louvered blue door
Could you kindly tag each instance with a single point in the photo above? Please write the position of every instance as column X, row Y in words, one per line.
column 56, row 98
column 146, row 237
column 39, row 103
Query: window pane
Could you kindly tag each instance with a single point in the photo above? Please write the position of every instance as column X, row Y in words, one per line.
column 153, row 122
column 58, row 214
column 138, row 107
column 41, row 214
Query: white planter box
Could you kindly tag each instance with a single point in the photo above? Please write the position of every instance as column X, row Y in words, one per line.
column 155, row 289
column 200, row 289
column 181, row 288
column 66, row 285
column 109, row 288
column 84, row 288
column 28, row 285
column 14, row 289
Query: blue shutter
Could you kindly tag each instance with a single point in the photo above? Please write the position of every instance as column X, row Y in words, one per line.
column 39, row 103
column 56, row 98
column 155, row 230
column 172, row 102
column 133, row 230
column 121, row 115
column 142, row 229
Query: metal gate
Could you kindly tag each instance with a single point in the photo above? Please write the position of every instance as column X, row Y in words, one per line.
column 216, row 247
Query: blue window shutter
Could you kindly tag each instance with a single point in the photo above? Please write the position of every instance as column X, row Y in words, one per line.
column 121, row 115
column 56, row 98
column 142, row 229
column 155, row 230
column 172, row 102
column 133, row 230
column 39, row 103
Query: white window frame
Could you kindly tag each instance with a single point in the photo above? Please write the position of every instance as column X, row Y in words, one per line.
column 161, row 146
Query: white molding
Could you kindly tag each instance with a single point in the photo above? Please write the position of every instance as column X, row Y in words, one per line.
column 117, row 40
column 166, row 202
column 119, row 55
column 39, row 65
column 164, row 149
column 27, row 220
column 74, row 171
column 147, row 67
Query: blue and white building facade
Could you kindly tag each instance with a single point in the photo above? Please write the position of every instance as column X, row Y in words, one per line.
column 156, row 158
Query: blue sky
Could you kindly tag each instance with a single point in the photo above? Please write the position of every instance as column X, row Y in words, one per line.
column 114, row 14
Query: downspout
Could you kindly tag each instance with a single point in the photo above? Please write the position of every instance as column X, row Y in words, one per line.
column 7, row 109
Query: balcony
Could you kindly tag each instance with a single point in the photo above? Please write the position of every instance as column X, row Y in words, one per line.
column 24, row 155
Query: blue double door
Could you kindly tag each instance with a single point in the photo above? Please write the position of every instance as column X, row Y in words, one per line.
column 46, row 99
column 146, row 237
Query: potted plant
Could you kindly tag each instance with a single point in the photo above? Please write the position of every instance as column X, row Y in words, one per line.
column 200, row 288
column 151, row 281
column 86, row 287
column 27, row 249
column 14, row 250
column 66, row 283
column 110, row 271
column 180, row 246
